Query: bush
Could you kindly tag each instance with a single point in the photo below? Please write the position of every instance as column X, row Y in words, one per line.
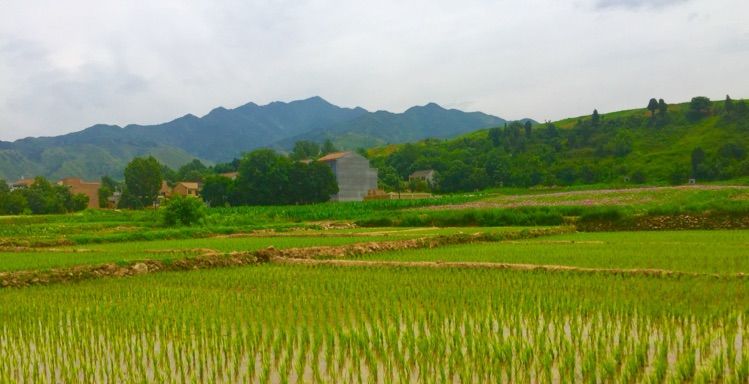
column 183, row 211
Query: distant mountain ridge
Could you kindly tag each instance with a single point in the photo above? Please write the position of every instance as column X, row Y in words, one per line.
column 223, row 134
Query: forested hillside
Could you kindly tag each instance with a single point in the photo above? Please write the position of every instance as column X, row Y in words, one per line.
column 660, row 144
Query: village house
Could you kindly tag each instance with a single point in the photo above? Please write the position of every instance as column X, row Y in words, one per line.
column 354, row 175
column 88, row 188
column 23, row 183
column 186, row 188
column 426, row 175
column 230, row 175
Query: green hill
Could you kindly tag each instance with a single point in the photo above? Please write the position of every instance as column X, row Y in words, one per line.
column 634, row 146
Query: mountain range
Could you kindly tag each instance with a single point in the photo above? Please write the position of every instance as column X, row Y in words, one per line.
column 224, row 134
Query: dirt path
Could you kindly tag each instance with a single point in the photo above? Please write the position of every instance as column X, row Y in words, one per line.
column 507, row 266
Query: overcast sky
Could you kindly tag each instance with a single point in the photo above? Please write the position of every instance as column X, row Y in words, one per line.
column 66, row 65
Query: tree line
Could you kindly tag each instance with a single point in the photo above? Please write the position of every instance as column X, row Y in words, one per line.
column 264, row 178
column 40, row 197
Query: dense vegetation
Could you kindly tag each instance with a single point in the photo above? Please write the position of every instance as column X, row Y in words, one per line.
column 662, row 144
column 41, row 197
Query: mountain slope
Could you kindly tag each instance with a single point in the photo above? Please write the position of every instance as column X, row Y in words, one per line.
column 224, row 134
column 384, row 127
column 622, row 147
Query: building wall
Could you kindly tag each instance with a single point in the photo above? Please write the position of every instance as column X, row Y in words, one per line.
column 355, row 177
column 90, row 189
column 182, row 190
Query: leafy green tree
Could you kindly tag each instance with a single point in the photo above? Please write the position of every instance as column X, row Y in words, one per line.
column 77, row 202
column 305, row 149
column 698, row 157
column 652, row 107
column 389, row 179
column 168, row 174
column 14, row 203
column 311, row 183
column 263, row 178
column 699, row 107
column 662, row 107
column 142, row 182
column 495, row 136
column 217, row 190
column 183, row 210
column 192, row 171
column 595, row 119
column 327, row 147
column 107, row 189
column 729, row 105
column 528, row 128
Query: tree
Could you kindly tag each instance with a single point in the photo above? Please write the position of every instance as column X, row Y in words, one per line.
column 312, row 183
column 729, row 105
column 78, row 202
column 652, row 107
column 388, row 178
column 595, row 119
column 662, row 107
column 699, row 107
column 305, row 149
column 698, row 157
column 217, row 190
column 528, row 128
column 192, row 171
column 263, row 178
column 107, row 189
column 143, row 180
column 327, row 147
column 495, row 136
column 183, row 210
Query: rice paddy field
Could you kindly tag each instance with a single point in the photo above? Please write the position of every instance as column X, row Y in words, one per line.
column 517, row 307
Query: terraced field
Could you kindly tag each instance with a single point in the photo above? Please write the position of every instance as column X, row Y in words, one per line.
column 707, row 252
column 372, row 305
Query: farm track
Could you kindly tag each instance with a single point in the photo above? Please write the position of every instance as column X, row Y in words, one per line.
column 208, row 258
column 503, row 266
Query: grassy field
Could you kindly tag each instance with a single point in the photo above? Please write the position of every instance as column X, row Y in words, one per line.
column 718, row 252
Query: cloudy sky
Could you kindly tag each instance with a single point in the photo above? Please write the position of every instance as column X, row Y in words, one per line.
column 66, row 65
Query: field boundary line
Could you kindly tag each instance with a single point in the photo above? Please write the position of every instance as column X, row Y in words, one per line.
column 504, row 266
column 212, row 259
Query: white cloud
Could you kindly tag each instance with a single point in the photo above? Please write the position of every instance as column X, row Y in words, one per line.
column 67, row 65
column 637, row 3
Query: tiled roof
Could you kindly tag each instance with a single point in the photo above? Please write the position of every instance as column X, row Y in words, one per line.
column 333, row 156
column 26, row 182
column 189, row 184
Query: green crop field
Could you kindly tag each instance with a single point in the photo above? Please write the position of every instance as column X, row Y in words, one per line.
column 718, row 252
column 409, row 303
column 44, row 258
column 331, row 324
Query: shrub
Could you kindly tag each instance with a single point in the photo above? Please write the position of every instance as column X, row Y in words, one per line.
column 183, row 211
